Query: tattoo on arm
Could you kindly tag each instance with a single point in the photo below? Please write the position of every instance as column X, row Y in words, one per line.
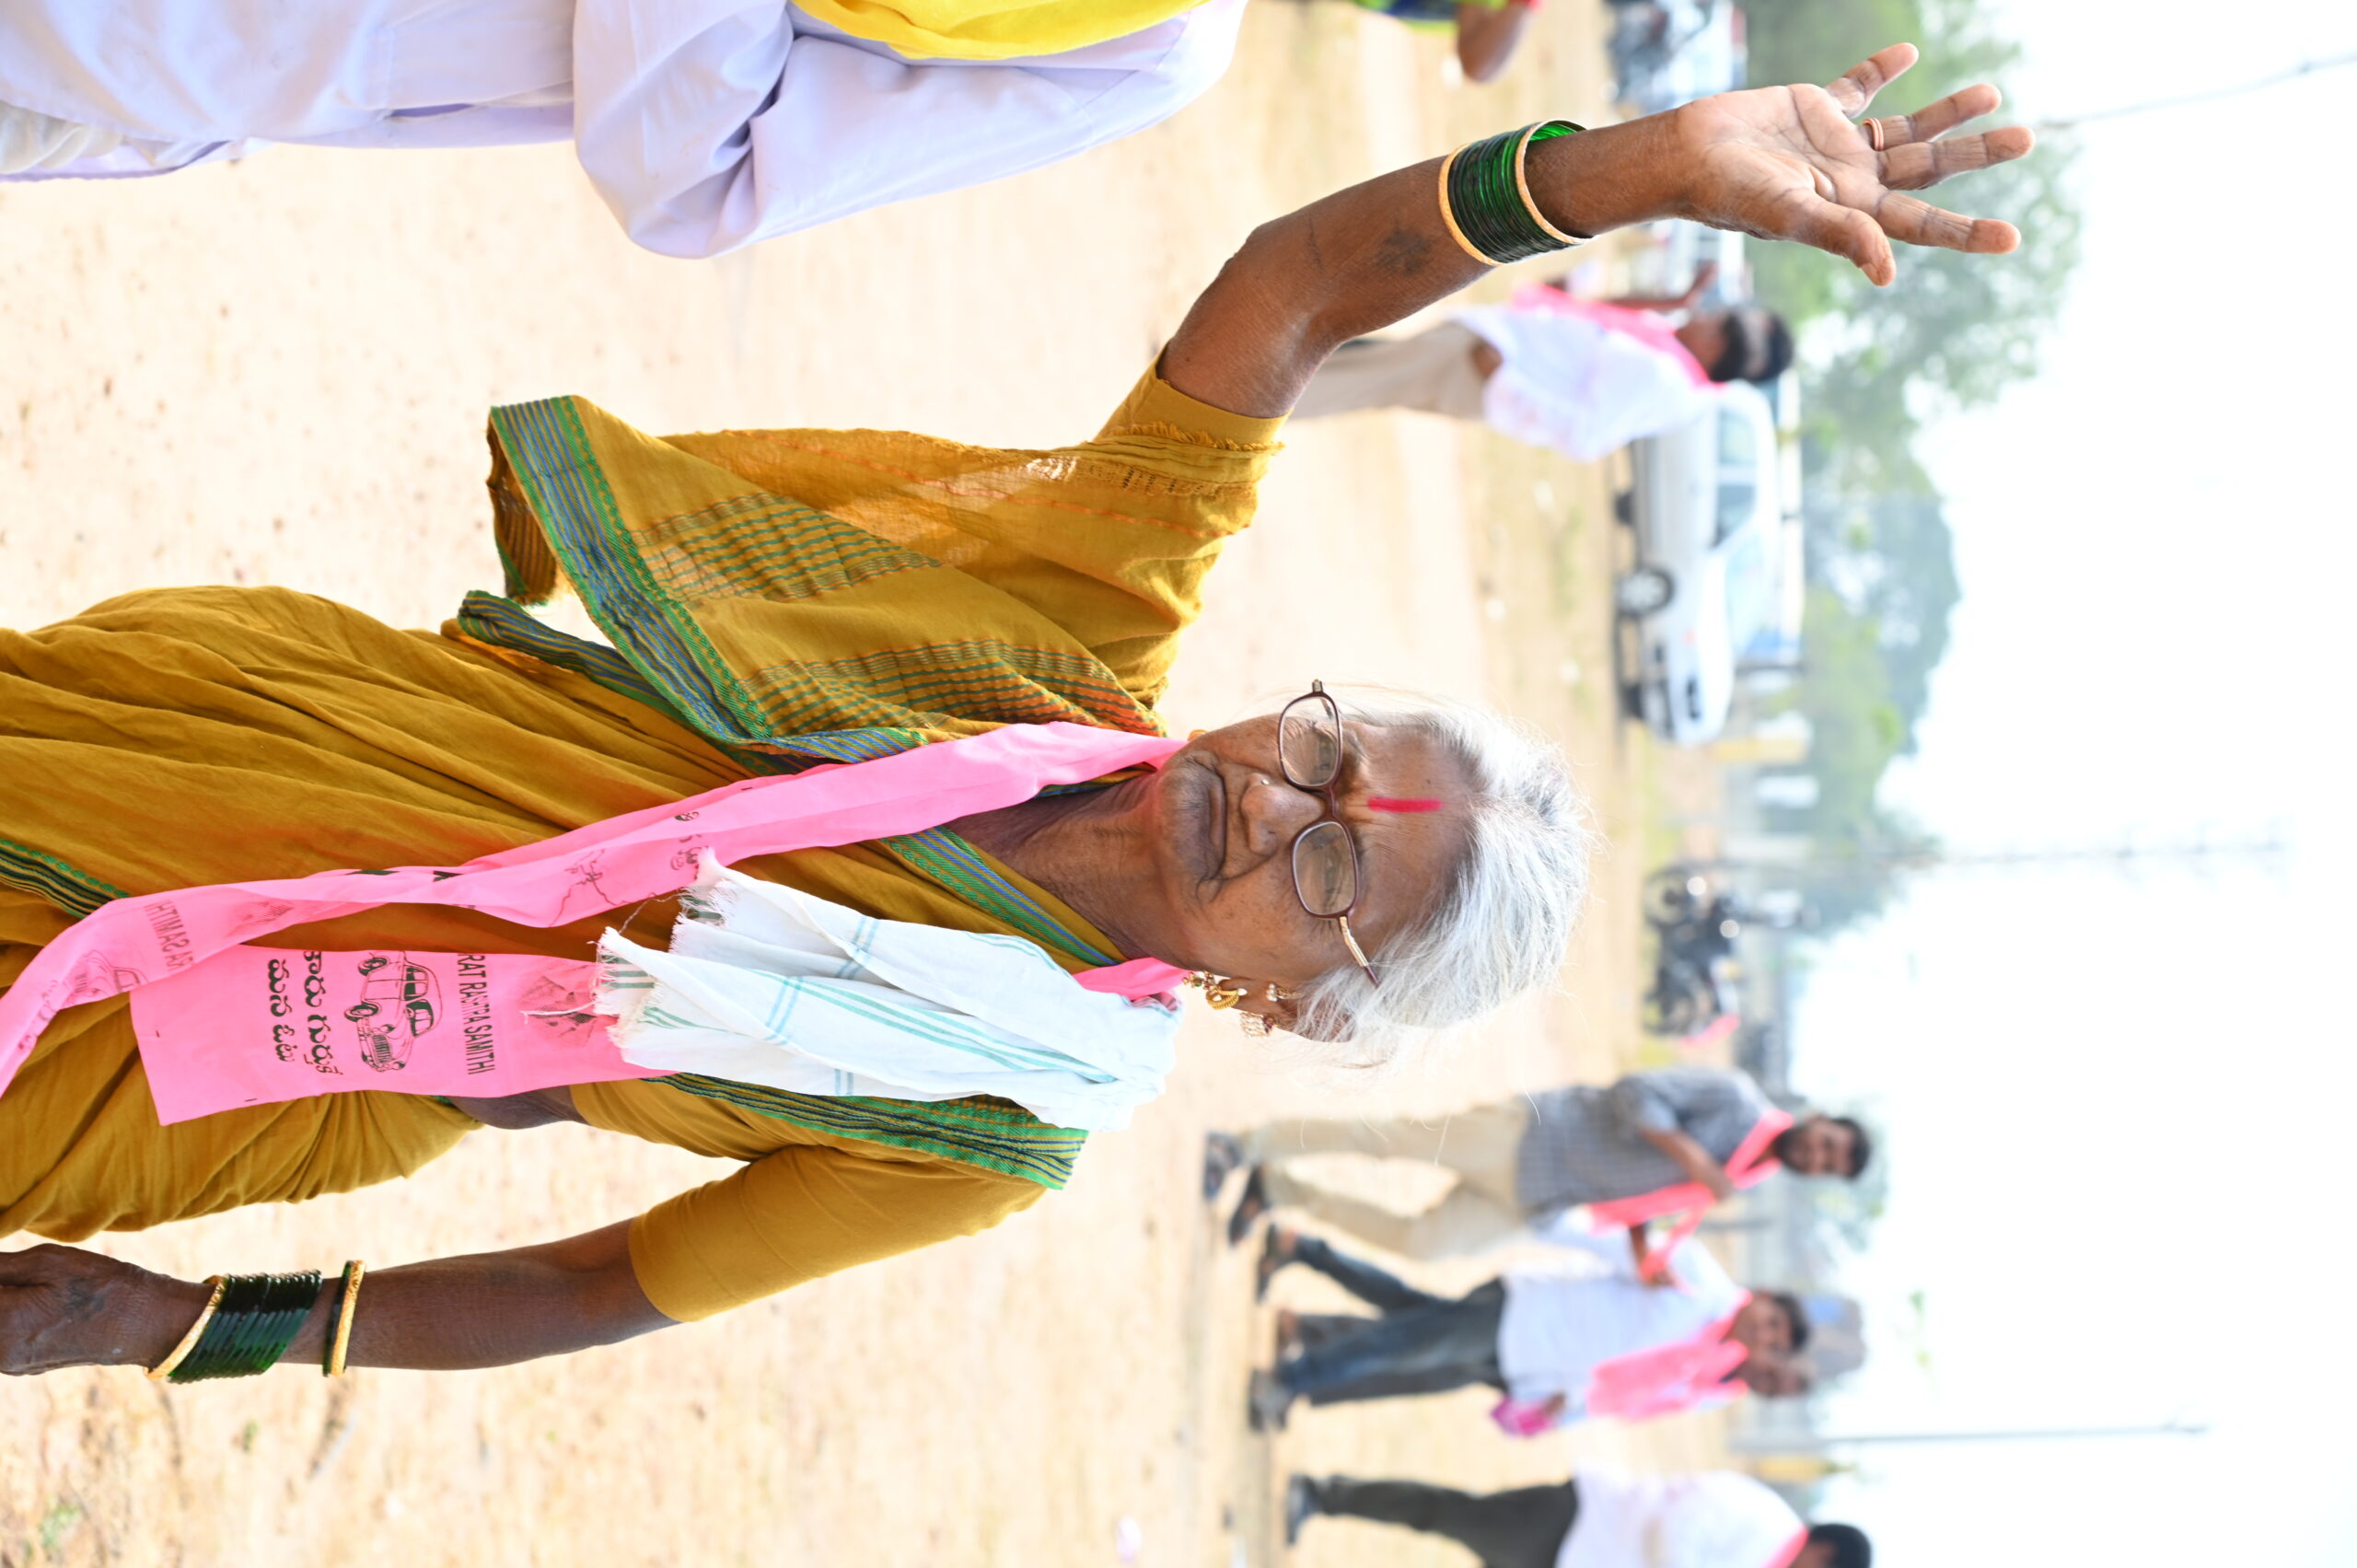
column 83, row 1301
column 1403, row 252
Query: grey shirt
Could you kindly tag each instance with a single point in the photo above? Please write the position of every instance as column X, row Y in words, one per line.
column 1583, row 1144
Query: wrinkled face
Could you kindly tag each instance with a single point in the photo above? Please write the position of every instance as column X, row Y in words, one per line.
column 1221, row 820
column 1774, row 1376
column 1763, row 1325
column 1817, row 1145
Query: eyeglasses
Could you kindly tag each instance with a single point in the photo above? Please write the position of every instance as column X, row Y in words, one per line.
column 1310, row 749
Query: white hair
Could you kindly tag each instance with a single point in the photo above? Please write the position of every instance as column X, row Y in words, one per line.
column 1502, row 924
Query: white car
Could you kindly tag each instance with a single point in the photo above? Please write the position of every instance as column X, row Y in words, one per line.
column 1668, row 53
column 1708, row 508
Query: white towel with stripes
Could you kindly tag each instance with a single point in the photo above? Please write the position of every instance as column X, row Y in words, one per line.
column 767, row 985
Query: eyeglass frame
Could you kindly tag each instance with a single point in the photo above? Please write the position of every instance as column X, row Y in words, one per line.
column 1333, row 813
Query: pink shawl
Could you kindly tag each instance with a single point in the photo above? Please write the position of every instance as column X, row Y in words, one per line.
column 516, row 1023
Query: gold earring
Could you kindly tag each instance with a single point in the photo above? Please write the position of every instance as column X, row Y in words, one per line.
column 1255, row 1025
column 1219, row 991
column 1279, row 994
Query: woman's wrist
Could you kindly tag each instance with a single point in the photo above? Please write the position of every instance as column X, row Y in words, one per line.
column 156, row 1313
column 1612, row 177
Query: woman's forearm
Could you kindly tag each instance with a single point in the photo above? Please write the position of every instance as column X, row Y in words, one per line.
column 62, row 1306
column 1778, row 163
column 492, row 1308
column 1374, row 254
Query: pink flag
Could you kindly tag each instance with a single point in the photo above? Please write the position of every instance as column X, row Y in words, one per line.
column 255, row 1026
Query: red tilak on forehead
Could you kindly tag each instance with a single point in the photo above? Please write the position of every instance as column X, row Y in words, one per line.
column 1392, row 803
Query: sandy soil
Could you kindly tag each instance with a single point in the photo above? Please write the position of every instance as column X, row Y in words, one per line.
column 276, row 373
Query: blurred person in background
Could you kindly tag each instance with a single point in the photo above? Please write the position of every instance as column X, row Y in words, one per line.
column 1600, row 1518
column 1487, row 32
column 1563, row 1344
column 704, row 125
column 1584, row 377
column 1667, row 1141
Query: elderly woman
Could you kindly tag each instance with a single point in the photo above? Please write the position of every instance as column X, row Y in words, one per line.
column 974, row 640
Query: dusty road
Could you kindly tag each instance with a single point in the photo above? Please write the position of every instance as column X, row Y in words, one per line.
column 277, row 373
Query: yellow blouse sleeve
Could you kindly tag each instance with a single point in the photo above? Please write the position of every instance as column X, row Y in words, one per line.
column 807, row 1210
column 1110, row 539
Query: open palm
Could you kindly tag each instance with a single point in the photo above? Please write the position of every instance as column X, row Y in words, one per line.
column 1788, row 163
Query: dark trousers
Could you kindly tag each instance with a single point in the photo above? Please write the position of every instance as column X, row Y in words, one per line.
column 1422, row 1343
column 1524, row 1528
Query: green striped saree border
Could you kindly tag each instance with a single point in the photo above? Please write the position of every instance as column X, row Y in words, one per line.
column 550, row 454
column 996, row 1136
column 45, row 876
column 946, row 858
column 503, row 623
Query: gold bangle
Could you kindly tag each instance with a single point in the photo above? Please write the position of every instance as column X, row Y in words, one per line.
column 1530, row 203
column 1449, row 217
column 165, row 1367
column 340, row 1345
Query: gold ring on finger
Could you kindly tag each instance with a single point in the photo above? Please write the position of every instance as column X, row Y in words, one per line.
column 1873, row 129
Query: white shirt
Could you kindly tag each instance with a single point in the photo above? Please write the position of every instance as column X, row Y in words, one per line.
column 1713, row 1519
column 1560, row 1322
column 1582, row 389
column 705, row 124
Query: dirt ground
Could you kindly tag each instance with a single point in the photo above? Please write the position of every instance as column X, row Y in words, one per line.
column 277, row 373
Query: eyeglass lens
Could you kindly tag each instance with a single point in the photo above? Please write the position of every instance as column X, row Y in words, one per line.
column 1309, row 742
column 1325, row 871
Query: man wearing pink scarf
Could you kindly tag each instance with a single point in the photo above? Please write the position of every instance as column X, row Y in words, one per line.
column 1661, row 1144
column 1601, row 1518
column 1585, row 377
column 1565, row 1341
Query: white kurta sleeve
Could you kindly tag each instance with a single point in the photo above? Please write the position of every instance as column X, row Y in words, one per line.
column 1568, row 1231
column 709, row 125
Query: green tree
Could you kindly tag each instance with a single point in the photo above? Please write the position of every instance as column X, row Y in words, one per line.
column 1950, row 334
column 1954, row 331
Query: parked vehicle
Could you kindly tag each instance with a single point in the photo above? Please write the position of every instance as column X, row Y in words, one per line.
column 1707, row 507
column 1697, row 922
column 1666, row 53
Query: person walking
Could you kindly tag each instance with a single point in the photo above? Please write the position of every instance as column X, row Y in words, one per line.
column 1600, row 1518
column 1563, row 1344
column 704, row 125
column 1584, row 377
column 1667, row 1141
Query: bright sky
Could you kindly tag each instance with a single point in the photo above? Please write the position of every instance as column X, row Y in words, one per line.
column 2121, row 1108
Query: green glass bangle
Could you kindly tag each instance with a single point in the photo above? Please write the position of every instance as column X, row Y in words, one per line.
column 258, row 1317
column 1485, row 197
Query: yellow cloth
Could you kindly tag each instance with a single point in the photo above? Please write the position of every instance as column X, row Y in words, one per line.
column 793, row 581
column 992, row 29
column 182, row 737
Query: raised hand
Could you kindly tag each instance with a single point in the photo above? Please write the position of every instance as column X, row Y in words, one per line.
column 1789, row 163
column 1783, row 163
